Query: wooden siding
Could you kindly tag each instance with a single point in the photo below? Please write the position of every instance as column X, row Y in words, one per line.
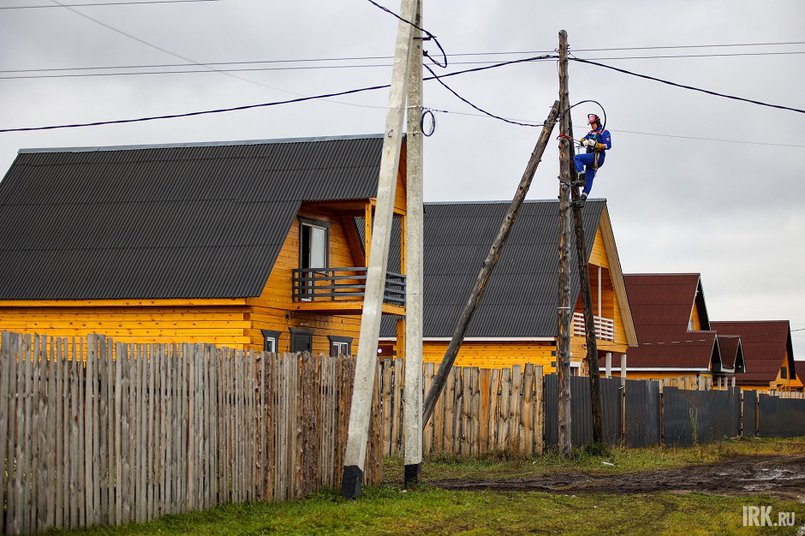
column 219, row 325
column 274, row 308
column 695, row 318
column 598, row 256
column 492, row 354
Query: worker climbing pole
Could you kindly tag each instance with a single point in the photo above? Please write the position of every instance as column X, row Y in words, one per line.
column 596, row 142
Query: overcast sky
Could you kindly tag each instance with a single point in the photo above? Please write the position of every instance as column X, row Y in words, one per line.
column 694, row 183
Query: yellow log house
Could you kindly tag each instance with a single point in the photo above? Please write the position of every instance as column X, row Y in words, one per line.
column 516, row 320
column 251, row 245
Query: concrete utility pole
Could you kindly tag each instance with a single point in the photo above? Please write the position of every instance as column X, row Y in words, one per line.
column 563, row 303
column 414, row 246
column 589, row 320
column 361, row 408
column 489, row 265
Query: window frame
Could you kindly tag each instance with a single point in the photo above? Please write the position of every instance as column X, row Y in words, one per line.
column 274, row 337
column 337, row 341
column 320, row 224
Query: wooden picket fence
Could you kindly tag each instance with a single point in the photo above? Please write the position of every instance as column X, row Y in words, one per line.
column 480, row 411
column 93, row 432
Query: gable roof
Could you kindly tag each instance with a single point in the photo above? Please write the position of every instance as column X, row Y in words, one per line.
column 765, row 344
column 521, row 297
column 176, row 221
column 732, row 356
column 661, row 308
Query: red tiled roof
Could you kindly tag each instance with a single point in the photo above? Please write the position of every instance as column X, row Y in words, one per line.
column 765, row 343
column 800, row 368
column 661, row 305
column 694, row 351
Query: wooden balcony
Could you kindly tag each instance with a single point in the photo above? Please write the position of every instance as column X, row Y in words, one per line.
column 604, row 327
column 341, row 290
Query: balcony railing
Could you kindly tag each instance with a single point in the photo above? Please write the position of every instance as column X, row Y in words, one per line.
column 604, row 327
column 342, row 284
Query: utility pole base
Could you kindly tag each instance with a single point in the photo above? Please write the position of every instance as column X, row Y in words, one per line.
column 352, row 481
column 412, row 474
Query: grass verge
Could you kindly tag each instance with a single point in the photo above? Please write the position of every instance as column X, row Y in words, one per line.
column 428, row 510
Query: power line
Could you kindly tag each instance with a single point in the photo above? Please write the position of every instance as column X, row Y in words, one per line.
column 258, row 105
column 127, row 3
column 62, row 74
column 692, row 88
column 166, row 51
column 421, row 29
column 207, row 71
column 451, row 90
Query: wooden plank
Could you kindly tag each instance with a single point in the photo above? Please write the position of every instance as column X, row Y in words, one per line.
column 5, row 359
column 494, row 405
column 526, row 430
column 503, row 416
column 62, row 431
column 466, row 408
column 514, row 409
column 48, row 477
column 89, row 431
column 427, row 434
column 539, row 411
column 476, row 411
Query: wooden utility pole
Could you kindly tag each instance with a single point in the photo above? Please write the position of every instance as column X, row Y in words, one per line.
column 489, row 265
column 414, row 246
column 361, row 407
column 563, row 302
column 584, row 280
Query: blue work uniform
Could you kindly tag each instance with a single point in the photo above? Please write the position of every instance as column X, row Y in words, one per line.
column 590, row 161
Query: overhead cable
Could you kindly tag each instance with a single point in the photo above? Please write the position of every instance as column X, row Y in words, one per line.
column 257, row 105
column 692, row 88
column 97, row 4
column 432, row 37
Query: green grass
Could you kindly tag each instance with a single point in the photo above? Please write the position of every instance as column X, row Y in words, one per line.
column 428, row 510
column 388, row 510
column 622, row 460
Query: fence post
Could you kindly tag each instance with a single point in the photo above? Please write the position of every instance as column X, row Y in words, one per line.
column 661, row 419
column 623, row 399
column 757, row 413
column 741, row 416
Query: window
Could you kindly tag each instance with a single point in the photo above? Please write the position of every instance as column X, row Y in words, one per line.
column 784, row 373
column 340, row 345
column 270, row 340
column 313, row 244
column 301, row 340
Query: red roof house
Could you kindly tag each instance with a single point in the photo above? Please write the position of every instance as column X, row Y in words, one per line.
column 673, row 329
column 767, row 351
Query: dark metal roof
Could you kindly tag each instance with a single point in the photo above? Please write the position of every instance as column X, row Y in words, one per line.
column 521, row 296
column 185, row 221
column 765, row 343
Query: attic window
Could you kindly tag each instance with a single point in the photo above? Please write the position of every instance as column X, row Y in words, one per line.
column 784, row 373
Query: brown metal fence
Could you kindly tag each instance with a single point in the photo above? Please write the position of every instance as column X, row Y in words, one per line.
column 93, row 432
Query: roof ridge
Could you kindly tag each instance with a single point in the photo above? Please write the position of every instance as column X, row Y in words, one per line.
column 233, row 143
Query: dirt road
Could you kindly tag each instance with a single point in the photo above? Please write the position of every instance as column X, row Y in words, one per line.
column 782, row 476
